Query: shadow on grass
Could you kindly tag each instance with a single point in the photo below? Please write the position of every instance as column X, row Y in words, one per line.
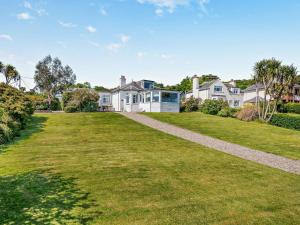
column 40, row 198
column 34, row 125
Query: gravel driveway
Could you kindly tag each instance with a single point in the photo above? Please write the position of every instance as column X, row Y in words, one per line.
column 279, row 162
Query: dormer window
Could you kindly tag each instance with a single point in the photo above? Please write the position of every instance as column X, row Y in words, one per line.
column 148, row 84
column 235, row 90
column 218, row 88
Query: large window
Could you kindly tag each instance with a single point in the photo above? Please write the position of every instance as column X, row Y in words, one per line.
column 169, row 97
column 218, row 89
column 134, row 98
column 155, row 96
column 148, row 97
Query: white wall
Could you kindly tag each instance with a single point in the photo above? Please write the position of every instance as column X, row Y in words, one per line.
column 253, row 94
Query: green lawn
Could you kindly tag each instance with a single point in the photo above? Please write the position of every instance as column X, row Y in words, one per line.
column 264, row 137
column 101, row 168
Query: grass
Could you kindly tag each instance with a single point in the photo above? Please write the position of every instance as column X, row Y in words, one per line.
column 264, row 137
column 101, row 168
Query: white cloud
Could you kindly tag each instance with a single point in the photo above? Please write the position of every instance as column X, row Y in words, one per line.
column 6, row 37
column 24, row 16
column 171, row 5
column 67, row 25
column 141, row 55
column 91, row 29
column 114, row 47
column 124, row 38
column 27, row 5
column 159, row 12
column 103, row 12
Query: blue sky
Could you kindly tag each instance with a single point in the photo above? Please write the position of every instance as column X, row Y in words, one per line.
column 162, row 40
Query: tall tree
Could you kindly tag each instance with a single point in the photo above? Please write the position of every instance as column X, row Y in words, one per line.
column 10, row 73
column 277, row 80
column 51, row 77
column 207, row 78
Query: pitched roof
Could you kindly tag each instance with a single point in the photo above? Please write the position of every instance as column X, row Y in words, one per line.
column 206, row 85
column 133, row 86
column 253, row 100
column 254, row 87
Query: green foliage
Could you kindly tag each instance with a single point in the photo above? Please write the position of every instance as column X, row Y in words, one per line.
column 286, row 121
column 292, row 107
column 101, row 89
column 207, row 78
column 82, row 85
column 243, row 84
column 212, row 107
column 15, row 110
column 190, row 105
column 10, row 73
column 40, row 102
column 83, row 99
column 227, row 112
column 51, row 77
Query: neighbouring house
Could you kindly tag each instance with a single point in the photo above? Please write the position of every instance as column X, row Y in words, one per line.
column 140, row 96
column 215, row 90
column 257, row 91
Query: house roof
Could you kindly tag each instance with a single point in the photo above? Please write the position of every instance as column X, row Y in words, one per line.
column 206, row 85
column 133, row 86
column 254, row 87
column 253, row 100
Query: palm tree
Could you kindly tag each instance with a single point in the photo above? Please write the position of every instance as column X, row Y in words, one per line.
column 10, row 73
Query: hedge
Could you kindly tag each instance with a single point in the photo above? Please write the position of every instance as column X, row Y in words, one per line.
column 286, row 121
column 292, row 107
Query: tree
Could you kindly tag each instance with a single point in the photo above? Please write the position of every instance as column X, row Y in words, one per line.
column 277, row 80
column 51, row 77
column 243, row 84
column 101, row 89
column 207, row 78
column 82, row 85
column 10, row 73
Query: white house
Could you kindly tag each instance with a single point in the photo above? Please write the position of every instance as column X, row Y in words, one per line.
column 217, row 89
column 255, row 93
column 140, row 96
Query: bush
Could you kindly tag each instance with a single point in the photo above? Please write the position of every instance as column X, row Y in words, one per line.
column 70, row 108
column 292, row 107
column 247, row 113
column 15, row 110
column 83, row 99
column 40, row 102
column 286, row 121
column 190, row 105
column 227, row 112
column 212, row 107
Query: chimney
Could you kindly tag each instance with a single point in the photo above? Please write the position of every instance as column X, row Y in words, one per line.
column 195, row 86
column 122, row 81
column 232, row 82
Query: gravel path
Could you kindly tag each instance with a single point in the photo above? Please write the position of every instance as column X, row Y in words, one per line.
column 279, row 162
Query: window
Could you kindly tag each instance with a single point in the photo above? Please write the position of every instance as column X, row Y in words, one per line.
column 127, row 98
column 106, row 99
column 142, row 98
column 236, row 103
column 148, row 85
column 148, row 97
column 235, row 90
column 155, row 96
column 218, row 88
column 169, row 97
column 134, row 98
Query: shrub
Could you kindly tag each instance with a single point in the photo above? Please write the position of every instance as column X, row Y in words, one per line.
column 247, row 113
column 212, row 107
column 70, row 108
column 285, row 120
column 40, row 102
column 83, row 99
column 227, row 112
column 292, row 107
column 190, row 105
